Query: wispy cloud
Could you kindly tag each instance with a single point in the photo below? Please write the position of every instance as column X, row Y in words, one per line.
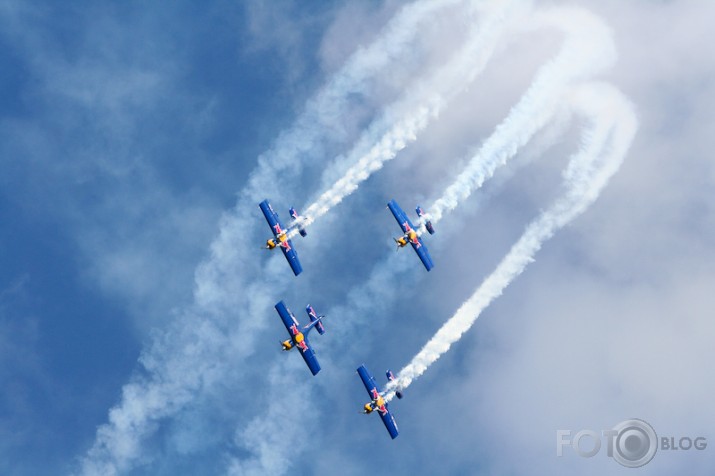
column 193, row 354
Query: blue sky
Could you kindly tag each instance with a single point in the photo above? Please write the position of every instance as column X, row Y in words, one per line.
column 137, row 330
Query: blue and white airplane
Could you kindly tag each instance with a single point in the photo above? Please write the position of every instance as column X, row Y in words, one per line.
column 280, row 235
column 410, row 232
column 299, row 335
column 377, row 401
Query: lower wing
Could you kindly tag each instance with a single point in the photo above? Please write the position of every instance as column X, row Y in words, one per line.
column 310, row 359
column 390, row 423
column 292, row 258
column 422, row 252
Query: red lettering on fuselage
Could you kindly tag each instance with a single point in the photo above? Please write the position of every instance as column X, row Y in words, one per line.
column 294, row 331
column 410, row 235
column 375, row 398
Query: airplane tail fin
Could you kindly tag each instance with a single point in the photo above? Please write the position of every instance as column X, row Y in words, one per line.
column 315, row 319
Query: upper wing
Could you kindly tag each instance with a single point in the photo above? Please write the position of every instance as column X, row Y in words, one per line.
column 309, row 356
column 400, row 216
column 422, row 252
column 369, row 382
column 287, row 317
column 272, row 218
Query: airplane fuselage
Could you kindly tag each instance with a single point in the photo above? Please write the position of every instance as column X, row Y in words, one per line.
column 298, row 338
column 377, row 403
column 279, row 240
column 409, row 237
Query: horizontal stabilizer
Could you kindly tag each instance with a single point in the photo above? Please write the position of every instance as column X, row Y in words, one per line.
column 295, row 216
column 428, row 224
column 391, row 378
column 314, row 317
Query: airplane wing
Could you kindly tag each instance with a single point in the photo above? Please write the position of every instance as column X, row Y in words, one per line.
column 293, row 327
column 272, row 218
column 368, row 381
column 401, row 217
column 287, row 317
column 291, row 256
column 309, row 356
column 374, row 392
column 390, row 424
column 422, row 252
column 277, row 228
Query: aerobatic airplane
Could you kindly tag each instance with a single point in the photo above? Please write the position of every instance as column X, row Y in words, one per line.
column 411, row 235
column 299, row 335
column 377, row 401
column 280, row 235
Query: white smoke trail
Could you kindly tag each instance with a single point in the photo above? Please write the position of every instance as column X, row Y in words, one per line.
column 427, row 101
column 604, row 147
column 588, row 49
column 580, row 28
column 191, row 354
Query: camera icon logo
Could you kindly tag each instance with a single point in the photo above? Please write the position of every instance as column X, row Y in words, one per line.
column 635, row 443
